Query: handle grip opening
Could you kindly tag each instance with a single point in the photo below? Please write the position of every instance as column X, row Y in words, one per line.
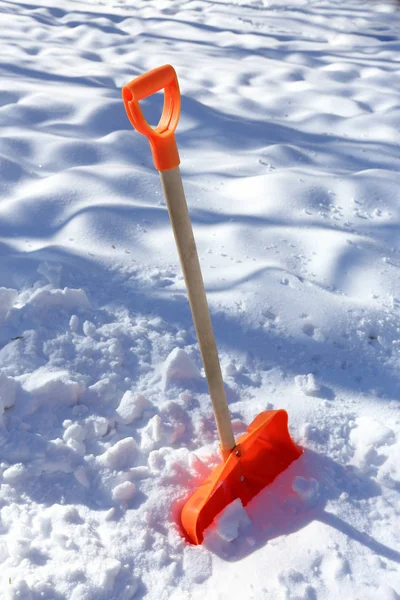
column 161, row 138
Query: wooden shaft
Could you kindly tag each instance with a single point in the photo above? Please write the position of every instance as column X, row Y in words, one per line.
column 181, row 225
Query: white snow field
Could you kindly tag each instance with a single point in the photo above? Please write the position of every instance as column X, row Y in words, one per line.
column 289, row 142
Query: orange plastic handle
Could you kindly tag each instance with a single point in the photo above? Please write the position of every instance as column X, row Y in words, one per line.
column 162, row 138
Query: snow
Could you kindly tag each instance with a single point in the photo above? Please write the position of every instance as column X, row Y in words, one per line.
column 230, row 520
column 120, row 455
column 124, row 491
column 178, row 366
column 9, row 388
column 306, row 489
column 7, row 299
column 290, row 160
column 131, row 407
column 308, row 384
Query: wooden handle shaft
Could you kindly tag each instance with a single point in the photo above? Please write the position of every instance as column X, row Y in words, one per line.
column 182, row 228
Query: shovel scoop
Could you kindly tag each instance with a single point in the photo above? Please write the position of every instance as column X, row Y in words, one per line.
column 259, row 456
column 256, row 458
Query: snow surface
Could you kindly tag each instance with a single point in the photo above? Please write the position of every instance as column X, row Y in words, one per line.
column 289, row 140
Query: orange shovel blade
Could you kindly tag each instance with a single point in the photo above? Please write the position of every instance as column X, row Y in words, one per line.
column 259, row 456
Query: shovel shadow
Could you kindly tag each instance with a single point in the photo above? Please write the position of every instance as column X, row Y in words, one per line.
column 280, row 511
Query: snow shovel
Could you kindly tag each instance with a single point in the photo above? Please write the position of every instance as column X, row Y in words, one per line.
column 257, row 457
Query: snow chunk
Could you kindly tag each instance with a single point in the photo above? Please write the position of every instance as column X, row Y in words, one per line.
column 8, row 390
column 124, row 491
column 14, row 473
column 7, row 299
column 115, row 349
column 60, row 457
column 89, row 329
column 74, row 432
column 67, row 298
column 306, row 489
column 230, row 520
column 121, row 455
column 81, row 476
column 230, row 370
column 178, row 367
column 155, row 460
column 389, row 472
column 162, row 430
column 308, row 384
column 48, row 386
column 100, row 426
column 79, row 447
column 151, row 435
column 131, row 407
column 74, row 323
column 104, row 390
column 368, row 436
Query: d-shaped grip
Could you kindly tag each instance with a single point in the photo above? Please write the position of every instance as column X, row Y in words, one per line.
column 162, row 138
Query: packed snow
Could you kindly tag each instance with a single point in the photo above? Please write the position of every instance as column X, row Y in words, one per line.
column 289, row 144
